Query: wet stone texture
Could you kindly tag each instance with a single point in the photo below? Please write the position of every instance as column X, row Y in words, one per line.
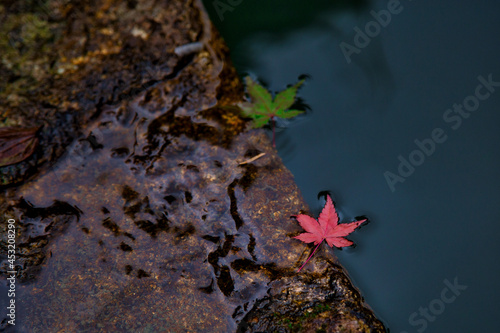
column 135, row 214
column 319, row 301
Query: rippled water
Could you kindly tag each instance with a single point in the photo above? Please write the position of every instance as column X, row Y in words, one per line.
column 425, row 262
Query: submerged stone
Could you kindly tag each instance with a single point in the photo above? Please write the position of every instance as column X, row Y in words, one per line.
column 140, row 215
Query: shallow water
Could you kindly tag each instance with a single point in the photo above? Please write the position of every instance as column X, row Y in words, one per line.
column 438, row 227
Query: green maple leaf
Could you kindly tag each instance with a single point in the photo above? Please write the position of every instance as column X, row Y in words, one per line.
column 263, row 108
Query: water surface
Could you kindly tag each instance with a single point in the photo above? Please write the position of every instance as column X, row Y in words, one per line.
column 437, row 228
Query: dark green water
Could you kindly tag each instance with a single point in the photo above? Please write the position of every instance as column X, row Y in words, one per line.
column 415, row 89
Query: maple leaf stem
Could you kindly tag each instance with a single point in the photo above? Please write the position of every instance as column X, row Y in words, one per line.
column 310, row 256
column 273, row 125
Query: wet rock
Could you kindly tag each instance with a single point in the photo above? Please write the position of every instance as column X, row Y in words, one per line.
column 62, row 62
column 319, row 301
column 149, row 221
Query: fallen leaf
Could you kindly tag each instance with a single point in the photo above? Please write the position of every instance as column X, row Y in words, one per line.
column 263, row 108
column 16, row 144
column 325, row 228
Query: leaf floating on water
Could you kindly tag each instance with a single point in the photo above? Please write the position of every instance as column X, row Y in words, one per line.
column 325, row 228
column 262, row 109
column 16, row 144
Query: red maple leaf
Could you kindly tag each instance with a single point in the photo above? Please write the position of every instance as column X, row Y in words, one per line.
column 326, row 227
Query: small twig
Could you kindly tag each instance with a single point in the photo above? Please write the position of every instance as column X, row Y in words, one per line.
column 188, row 48
column 252, row 159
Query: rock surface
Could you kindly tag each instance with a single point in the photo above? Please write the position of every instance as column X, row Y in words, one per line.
column 149, row 222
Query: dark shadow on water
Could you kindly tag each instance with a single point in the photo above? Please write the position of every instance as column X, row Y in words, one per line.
column 280, row 18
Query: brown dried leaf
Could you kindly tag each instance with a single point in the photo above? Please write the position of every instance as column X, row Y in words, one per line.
column 16, row 144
